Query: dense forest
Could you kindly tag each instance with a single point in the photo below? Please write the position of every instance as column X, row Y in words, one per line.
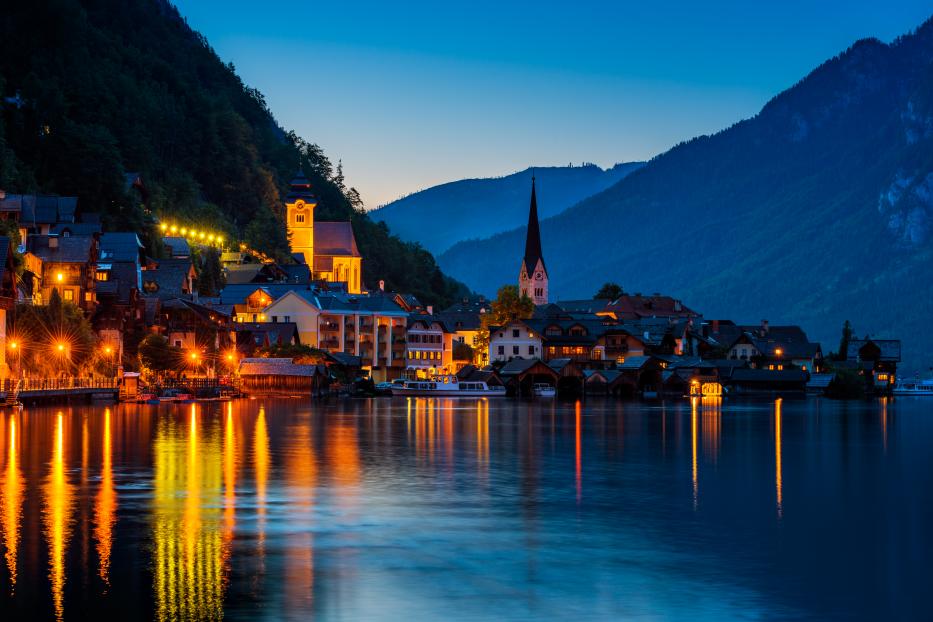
column 93, row 89
column 816, row 210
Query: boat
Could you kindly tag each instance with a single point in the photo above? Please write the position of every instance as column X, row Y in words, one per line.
column 447, row 386
column 544, row 390
column 175, row 395
column 913, row 387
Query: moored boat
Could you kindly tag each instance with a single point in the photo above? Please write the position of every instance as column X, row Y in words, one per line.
column 447, row 386
column 544, row 390
column 913, row 387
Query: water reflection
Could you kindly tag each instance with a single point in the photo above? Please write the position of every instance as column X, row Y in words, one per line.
column 12, row 500
column 57, row 517
column 413, row 509
column 106, row 504
column 188, row 545
column 778, row 469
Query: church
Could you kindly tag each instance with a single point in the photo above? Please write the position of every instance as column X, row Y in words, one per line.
column 532, row 277
column 328, row 248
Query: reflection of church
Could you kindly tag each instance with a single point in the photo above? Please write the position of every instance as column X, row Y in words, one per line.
column 329, row 248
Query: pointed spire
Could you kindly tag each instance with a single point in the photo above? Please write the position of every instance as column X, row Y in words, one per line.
column 533, row 239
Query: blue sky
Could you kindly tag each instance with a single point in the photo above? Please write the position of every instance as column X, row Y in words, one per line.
column 412, row 94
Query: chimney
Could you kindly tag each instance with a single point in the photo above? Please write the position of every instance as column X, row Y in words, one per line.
column 382, row 285
column 430, row 309
column 764, row 327
column 715, row 326
column 53, row 241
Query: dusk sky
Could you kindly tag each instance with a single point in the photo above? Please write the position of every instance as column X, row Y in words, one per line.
column 414, row 94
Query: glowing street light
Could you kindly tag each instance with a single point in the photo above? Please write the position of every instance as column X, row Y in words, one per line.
column 164, row 226
column 13, row 345
column 778, row 352
column 174, row 229
column 59, row 277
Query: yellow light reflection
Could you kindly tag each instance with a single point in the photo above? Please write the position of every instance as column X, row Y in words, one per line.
column 712, row 426
column 105, row 506
column 693, row 445
column 301, row 480
column 578, row 453
column 261, row 468
column 12, row 503
column 778, row 475
column 190, row 550
column 56, row 518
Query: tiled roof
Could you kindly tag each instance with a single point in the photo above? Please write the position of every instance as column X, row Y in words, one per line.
column 518, row 366
column 178, row 246
column 460, row 320
column 334, row 238
column 277, row 367
column 168, row 279
column 120, row 246
column 890, row 348
column 74, row 249
column 76, row 228
column 655, row 305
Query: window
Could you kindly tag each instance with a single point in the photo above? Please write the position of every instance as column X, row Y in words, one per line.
column 501, row 350
column 178, row 343
column 514, row 349
column 553, row 331
column 515, row 333
column 539, row 291
column 103, row 276
column 578, row 331
column 68, row 295
column 531, row 349
column 287, row 318
column 275, row 319
column 299, row 218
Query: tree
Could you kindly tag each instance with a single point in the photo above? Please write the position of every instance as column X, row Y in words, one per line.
column 463, row 352
column 507, row 307
column 844, row 341
column 157, row 355
column 609, row 291
column 56, row 338
column 210, row 274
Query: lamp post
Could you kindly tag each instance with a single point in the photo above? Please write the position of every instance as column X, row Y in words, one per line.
column 108, row 352
column 15, row 353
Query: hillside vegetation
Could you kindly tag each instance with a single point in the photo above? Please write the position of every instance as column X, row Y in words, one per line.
column 93, row 89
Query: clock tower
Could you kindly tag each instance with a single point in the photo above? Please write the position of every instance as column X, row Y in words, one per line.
column 299, row 218
column 532, row 277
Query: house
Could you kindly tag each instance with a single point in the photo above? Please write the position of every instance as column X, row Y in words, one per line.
column 8, row 296
column 237, row 274
column 635, row 306
column 37, row 214
column 282, row 375
column 514, row 340
column 170, row 278
column 69, row 265
column 177, row 247
column 194, row 327
column 878, row 359
column 118, row 282
column 430, row 346
column 371, row 327
column 521, row 375
column 776, row 348
column 465, row 327
column 252, row 336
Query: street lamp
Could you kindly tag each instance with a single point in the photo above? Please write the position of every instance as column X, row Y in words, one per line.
column 59, row 277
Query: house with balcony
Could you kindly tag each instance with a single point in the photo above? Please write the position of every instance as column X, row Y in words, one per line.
column 68, row 265
column 430, row 346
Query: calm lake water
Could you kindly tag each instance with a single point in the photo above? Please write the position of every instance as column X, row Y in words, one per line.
column 440, row 509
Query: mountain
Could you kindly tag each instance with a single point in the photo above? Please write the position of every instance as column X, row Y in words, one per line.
column 461, row 210
column 93, row 89
column 816, row 210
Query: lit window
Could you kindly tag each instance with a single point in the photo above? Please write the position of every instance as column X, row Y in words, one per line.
column 68, row 295
column 103, row 276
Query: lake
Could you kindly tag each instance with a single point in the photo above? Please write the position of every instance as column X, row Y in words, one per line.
column 414, row 509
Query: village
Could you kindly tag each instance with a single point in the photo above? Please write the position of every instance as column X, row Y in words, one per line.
column 312, row 326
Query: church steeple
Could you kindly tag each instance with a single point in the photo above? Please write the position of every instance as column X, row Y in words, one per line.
column 533, row 279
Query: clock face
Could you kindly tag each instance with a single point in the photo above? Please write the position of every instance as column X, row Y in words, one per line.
column 538, row 276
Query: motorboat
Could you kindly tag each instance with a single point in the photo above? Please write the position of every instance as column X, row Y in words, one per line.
column 544, row 390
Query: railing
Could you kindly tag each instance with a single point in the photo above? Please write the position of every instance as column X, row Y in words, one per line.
column 57, row 384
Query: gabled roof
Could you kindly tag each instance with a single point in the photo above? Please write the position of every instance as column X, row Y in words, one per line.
column 278, row 367
column 238, row 293
column 178, row 246
column 120, row 246
column 76, row 228
column 168, row 279
column 890, row 349
column 334, row 238
column 656, row 305
column 460, row 320
column 74, row 249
